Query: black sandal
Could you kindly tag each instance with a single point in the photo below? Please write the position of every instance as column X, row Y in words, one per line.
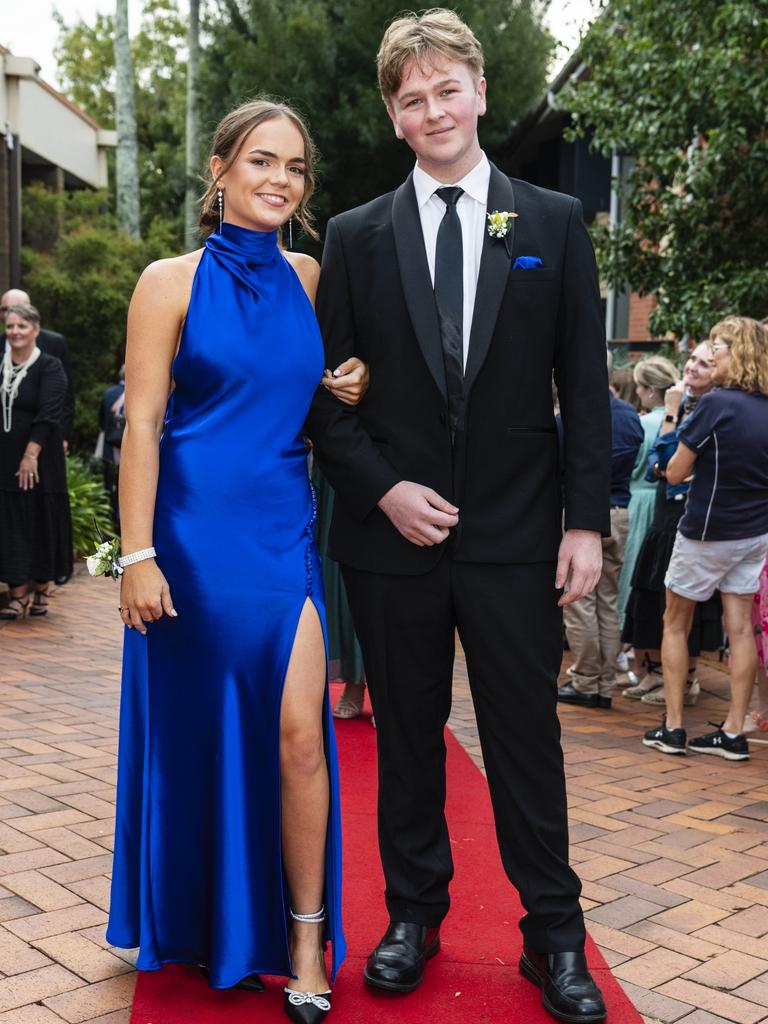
column 21, row 608
column 40, row 602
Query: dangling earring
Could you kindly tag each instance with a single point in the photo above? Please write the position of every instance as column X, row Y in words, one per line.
column 220, row 197
column 290, row 232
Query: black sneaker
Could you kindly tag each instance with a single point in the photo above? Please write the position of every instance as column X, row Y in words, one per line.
column 668, row 741
column 717, row 742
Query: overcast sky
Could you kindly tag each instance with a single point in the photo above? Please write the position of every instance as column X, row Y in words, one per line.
column 28, row 29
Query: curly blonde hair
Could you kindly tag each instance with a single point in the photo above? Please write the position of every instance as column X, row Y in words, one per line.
column 228, row 139
column 747, row 340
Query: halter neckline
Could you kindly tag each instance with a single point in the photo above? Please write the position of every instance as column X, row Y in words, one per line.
column 254, row 246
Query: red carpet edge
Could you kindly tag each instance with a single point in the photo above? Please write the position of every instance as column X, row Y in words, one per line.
column 473, row 980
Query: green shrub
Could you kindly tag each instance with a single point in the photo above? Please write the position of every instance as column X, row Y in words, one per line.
column 80, row 271
column 88, row 504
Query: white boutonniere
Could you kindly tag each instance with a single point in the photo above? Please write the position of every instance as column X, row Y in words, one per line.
column 499, row 223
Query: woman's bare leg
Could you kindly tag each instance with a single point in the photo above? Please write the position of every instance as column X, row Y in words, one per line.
column 678, row 618
column 305, row 795
column 737, row 612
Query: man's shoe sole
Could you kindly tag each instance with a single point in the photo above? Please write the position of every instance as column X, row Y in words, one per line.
column 729, row 755
column 665, row 748
column 598, row 702
column 388, row 986
column 529, row 971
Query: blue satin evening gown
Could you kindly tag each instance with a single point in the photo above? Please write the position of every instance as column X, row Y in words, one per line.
column 198, row 874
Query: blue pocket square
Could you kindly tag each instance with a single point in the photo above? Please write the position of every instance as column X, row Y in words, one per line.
column 527, row 263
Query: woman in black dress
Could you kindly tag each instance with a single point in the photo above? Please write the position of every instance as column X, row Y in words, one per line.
column 35, row 524
column 644, row 620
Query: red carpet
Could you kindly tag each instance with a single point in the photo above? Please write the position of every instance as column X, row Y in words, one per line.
column 473, row 979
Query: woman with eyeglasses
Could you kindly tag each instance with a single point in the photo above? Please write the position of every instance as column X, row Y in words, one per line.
column 722, row 539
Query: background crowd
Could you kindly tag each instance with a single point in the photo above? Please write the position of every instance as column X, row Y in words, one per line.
column 666, row 593
column 684, row 569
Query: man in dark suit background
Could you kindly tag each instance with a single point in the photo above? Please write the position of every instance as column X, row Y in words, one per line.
column 54, row 344
column 449, row 506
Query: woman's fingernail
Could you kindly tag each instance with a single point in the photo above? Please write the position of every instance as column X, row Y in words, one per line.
column 174, row 613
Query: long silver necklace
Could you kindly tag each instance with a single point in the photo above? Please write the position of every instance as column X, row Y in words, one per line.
column 12, row 376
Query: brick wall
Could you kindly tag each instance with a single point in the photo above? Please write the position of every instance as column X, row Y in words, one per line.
column 640, row 310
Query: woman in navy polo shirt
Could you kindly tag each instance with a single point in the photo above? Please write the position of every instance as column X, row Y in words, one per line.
column 722, row 539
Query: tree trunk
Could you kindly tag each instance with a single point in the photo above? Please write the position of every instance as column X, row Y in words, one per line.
column 127, row 162
column 191, row 237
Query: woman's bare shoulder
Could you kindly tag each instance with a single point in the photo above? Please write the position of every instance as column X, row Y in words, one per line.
column 168, row 280
column 307, row 269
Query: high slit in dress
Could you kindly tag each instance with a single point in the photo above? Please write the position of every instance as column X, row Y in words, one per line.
column 198, row 872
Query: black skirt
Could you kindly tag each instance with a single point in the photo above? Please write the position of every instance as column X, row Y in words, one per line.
column 35, row 536
column 644, row 619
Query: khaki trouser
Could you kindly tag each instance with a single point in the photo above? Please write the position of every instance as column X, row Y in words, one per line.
column 592, row 624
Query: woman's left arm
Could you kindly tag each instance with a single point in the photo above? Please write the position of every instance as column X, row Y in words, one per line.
column 350, row 380
column 680, row 466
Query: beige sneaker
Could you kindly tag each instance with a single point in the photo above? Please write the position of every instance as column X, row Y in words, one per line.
column 692, row 691
column 650, row 682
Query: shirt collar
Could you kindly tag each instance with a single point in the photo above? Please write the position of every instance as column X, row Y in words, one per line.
column 475, row 183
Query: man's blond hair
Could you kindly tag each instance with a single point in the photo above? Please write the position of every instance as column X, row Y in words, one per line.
column 424, row 39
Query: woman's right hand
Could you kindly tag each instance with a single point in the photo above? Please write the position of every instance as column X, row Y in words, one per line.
column 673, row 397
column 144, row 595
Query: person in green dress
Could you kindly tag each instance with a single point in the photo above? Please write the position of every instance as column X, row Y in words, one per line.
column 345, row 659
column 653, row 377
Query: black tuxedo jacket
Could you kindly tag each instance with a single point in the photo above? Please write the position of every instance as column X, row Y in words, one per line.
column 55, row 344
column 503, row 468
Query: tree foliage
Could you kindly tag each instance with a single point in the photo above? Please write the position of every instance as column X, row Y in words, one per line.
column 81, row 276
column 86, row 69
column 320, row 55
column 682, row 85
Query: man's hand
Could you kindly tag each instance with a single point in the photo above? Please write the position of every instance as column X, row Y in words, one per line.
column 579, row 562
column 419, row 513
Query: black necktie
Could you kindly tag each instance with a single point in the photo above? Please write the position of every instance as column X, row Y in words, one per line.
column 449, row 296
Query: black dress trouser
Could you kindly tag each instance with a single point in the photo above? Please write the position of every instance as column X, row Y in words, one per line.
column 511, row 631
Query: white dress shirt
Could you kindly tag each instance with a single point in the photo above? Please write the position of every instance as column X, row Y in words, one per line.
column 472, row 208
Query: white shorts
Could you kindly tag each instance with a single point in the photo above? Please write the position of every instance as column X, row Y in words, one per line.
column 698, row 568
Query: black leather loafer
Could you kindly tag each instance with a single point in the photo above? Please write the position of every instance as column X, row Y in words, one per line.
column 252, row 983
column 397, row 964
column 567, row 989
column 568, row 694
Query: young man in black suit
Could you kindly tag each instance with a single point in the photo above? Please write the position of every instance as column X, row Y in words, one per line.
column 449, row 505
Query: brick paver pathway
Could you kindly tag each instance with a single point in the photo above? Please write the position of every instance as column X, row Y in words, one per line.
column 673, row 851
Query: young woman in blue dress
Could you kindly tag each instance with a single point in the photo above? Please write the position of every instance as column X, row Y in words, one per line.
column 227, row 850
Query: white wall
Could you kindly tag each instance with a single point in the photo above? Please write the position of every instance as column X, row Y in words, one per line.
column 48, row 125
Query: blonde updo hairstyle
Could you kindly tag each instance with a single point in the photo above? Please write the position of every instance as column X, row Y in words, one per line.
column 228, row 139
column 656, row 372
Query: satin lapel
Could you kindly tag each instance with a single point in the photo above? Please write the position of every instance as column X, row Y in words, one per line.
column 492, row 279
column 417, row 284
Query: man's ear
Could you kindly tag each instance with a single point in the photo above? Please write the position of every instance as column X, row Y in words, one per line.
column 393, row 119
column 481, row 90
